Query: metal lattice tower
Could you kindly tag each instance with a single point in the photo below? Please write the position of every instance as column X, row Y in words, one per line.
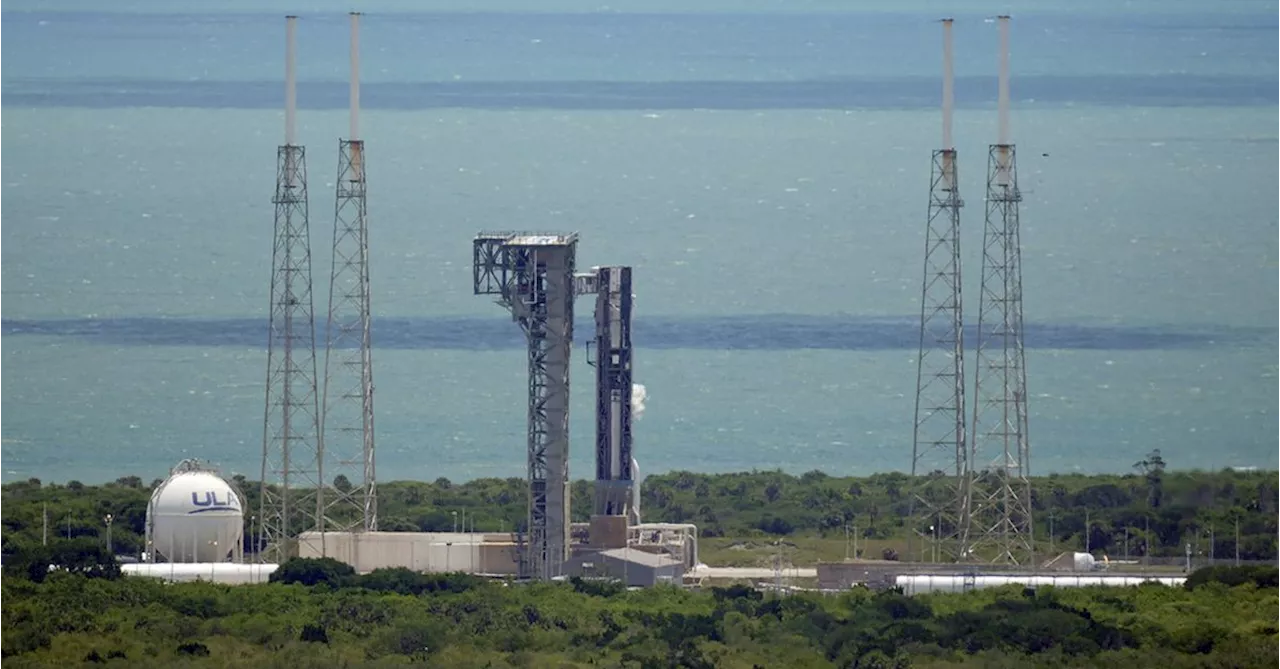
column 352, row 503
column 940, row 501
column 292, row 468
column 615, row 476
column 533, row 275
column 1002, row 527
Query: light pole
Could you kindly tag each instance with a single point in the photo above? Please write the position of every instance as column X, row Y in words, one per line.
column 1211, row 545
column 1088, row 540
column 455, row 521
column 1237, row 541
column 1051, row 531
column 777, row 569
column 108, row 520
column 1146, row 538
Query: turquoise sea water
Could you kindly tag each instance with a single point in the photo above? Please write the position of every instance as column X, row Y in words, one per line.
column 765, row 173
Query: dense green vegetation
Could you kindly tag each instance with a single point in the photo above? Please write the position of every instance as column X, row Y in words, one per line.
column 1159, row 511
column 317, row 613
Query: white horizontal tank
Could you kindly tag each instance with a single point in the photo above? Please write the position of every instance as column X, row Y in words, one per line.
column 194, row 516
column 917, row 584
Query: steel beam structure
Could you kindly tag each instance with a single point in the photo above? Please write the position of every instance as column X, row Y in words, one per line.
column 1002, row 522
column 940, row 500
column 292, row 463
column 347, row 424
column 533, row 275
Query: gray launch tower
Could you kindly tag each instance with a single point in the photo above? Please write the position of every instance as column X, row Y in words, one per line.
column 533, row 276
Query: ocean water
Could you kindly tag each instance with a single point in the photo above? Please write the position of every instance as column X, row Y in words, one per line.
column 766, row 174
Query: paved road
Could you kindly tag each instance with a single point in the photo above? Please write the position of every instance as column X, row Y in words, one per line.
column 753, row 572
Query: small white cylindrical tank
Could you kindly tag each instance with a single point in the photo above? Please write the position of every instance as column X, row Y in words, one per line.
column 194, row 516
column 1083, row 562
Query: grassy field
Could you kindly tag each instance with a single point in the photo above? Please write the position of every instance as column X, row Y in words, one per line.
column 800, row 549
column 807, row 550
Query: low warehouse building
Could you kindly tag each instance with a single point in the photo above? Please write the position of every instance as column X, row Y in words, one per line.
column 477, row 553
column 635, row 568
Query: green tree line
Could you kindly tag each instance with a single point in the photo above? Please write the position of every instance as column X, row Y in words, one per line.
column 1158, row 512
column 317, row 613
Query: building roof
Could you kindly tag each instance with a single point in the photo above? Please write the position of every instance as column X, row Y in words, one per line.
column 640, row 557
column 541, row 240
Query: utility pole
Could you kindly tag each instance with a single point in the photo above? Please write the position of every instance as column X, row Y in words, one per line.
column 936, row 527
column 1146, row 552
column 1088, row 545
column 108, row 520
column 1237, row 542
column 1211, row 545
column 1050, row 531
column 44, row 531
column 1126, row 542
column 777, row 569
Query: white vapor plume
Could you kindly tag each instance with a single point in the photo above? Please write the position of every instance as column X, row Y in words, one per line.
column 638, row 396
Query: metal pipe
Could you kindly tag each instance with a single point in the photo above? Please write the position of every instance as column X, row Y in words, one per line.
column 1003, row 104
column 355, row 77
column 948, row 83
column 290, row 78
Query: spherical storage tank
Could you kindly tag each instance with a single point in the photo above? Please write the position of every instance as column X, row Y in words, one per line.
column 194, row 516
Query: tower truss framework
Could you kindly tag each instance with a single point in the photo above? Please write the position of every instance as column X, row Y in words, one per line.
column 348, row 422
column 533, row 275
column 292, row 467
column 940, row 503
column 1002, row 521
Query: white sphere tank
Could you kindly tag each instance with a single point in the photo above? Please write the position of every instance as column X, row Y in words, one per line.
column 195, row 516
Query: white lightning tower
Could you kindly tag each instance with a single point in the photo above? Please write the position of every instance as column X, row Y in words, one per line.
column 1002, row 527
column 292, row 466
column 348, row 363
column 940, row 502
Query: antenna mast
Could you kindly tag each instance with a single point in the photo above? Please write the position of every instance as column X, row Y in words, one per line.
column 1002, row 490
column 348, row 360
column 940, row 502
column 292, row 467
